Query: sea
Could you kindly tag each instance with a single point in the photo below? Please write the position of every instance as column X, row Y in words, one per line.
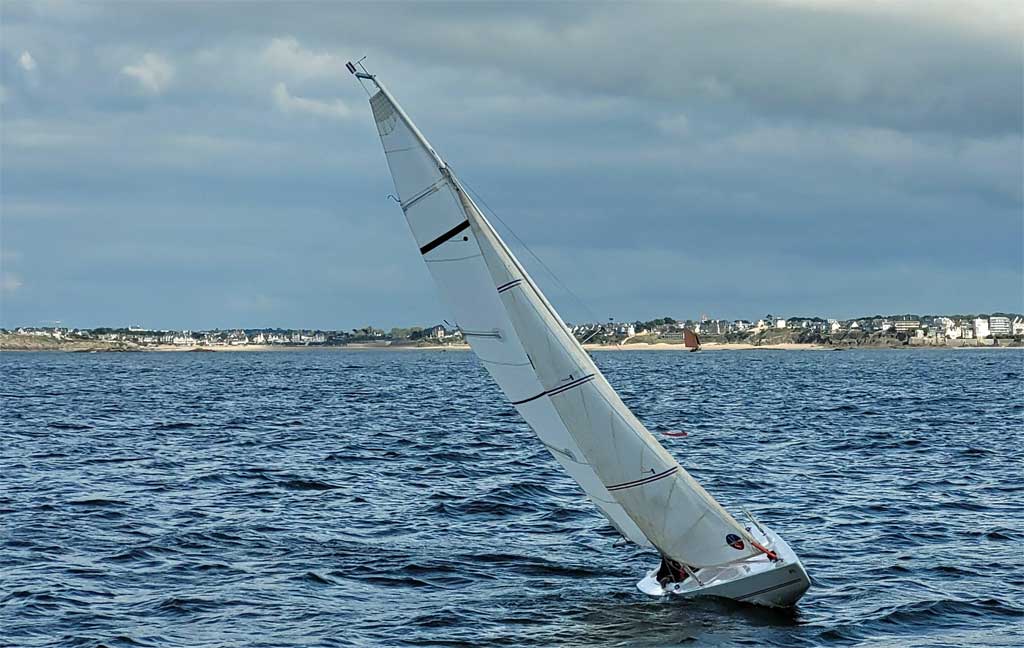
column 374, row 498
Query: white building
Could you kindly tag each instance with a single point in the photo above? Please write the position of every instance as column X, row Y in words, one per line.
column 981, row 328
column 999, row 325
column 1017, row 327
column 834, row 325
column 780, row 323
column 905, row 326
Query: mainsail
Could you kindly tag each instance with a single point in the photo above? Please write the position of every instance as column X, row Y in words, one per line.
column 539, row 365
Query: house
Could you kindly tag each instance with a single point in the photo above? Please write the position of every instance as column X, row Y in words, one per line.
column 1017, row 327
column 780, row 323
column 981, row 329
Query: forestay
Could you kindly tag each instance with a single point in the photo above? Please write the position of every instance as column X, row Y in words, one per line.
column 542, row 369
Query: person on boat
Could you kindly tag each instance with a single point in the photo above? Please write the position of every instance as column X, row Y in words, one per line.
column 671, row 571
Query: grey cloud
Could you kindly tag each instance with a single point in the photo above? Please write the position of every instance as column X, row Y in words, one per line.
column 664, row 158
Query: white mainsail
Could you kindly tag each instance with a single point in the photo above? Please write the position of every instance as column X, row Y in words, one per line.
column 539, row 365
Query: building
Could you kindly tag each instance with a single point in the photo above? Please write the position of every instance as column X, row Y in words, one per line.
column 981, row 328
column 999, row 325
column 1018, row 326
column 780, row 323
column 905, row 326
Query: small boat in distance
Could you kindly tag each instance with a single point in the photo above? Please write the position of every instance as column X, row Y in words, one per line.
column 554, row 385
column 690, row 340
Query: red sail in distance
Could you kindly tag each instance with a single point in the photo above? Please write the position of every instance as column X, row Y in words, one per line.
column 691, row 340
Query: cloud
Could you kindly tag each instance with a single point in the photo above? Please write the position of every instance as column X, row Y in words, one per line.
column 286, row 102
column 795, row 135
column 286, row 57
column 26, row 62
column 676, row 125
column 154, row 73
column 10, row 283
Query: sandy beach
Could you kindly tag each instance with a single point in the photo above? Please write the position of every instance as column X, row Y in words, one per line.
column 709, row 346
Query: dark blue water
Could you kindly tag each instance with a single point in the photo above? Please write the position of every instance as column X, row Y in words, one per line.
column 372, row 498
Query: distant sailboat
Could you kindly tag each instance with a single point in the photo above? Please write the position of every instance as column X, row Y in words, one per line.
column 537, row 362
column 690, row 340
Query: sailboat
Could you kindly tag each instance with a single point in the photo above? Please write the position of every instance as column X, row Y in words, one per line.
column 690, row 340
column 554, row 385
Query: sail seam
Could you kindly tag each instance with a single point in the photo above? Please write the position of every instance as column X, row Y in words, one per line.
column 504, row 364
column 444, row 237
column 471, row 256
column 645, row 480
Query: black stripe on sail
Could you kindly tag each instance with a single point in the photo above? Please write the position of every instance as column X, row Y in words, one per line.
column 444, row 237
column 556, row 390
column 645, row 480
column 566, row 387
column 531, row 398
column 508, row 286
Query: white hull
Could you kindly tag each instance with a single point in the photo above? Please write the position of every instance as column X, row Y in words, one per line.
column 755, row 580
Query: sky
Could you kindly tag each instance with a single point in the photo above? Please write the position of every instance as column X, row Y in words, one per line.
column 200, row 165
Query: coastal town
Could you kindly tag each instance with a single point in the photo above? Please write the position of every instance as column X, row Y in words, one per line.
column 984, row 330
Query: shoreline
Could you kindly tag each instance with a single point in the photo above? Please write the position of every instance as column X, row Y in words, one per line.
column 87, row 346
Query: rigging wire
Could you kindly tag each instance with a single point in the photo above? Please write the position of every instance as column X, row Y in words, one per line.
column 583, row 304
